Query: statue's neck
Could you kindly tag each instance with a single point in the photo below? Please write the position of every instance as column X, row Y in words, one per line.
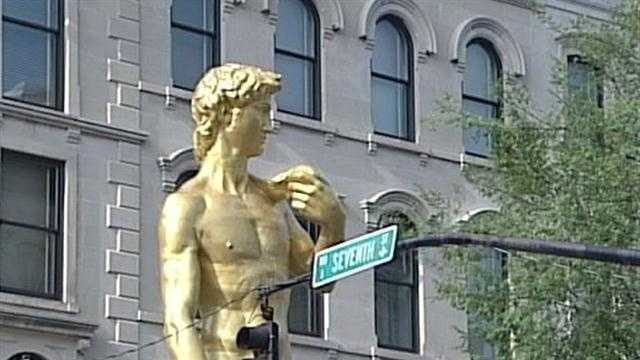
column 226, row 172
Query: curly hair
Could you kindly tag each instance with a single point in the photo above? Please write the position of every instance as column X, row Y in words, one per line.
column 222, row 89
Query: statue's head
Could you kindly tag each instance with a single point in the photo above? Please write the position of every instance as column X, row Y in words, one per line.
column 225, row 93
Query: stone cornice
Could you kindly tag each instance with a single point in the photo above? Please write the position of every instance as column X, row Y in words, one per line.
column 58, row 119
column 50, row 325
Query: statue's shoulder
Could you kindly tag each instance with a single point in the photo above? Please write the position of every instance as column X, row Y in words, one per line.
column 183, row 204
column 268, row 189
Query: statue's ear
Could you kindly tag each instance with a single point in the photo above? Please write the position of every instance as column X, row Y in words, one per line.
column 232, row 119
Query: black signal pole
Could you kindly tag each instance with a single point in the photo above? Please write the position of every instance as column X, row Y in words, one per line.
column 629, row 257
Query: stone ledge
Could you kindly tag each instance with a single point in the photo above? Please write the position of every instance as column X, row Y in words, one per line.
column 48, row 325
column 59, row 119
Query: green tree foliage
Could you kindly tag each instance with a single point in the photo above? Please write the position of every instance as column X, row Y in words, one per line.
column 569, row 173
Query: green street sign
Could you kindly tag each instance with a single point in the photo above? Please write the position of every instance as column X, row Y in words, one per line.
column 353, row 256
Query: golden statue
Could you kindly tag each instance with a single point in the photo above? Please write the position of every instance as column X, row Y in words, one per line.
column 226, row 232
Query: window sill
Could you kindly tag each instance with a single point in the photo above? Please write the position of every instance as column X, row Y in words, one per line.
column 60, row 119
column 313, row 342
column 78, row 329
column 19, row 311
column 165, row 90
column 397, row 354
column 37, row 303
column 303, row 122
column 396, row 143
column 476, row 160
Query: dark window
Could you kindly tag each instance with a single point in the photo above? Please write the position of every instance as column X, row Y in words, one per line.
column 582, row 80
column 32, row 52
column 31, row 209
column 27, row 356
column 480, row 93
column 184, row 177
column 194, row 40
column 392, row 80
column 490, row 268
column 396, row 293
column 297, row 58
column 305, row 310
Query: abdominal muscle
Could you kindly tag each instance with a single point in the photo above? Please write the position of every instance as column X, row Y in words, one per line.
column 228, row 301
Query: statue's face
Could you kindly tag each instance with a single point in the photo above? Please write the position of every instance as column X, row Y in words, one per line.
column 249, row 133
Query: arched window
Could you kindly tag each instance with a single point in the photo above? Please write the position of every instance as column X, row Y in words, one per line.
column 480, row 93
column 27, row 356
column 185, row 176
column 488, row 268
column 305, row 310
column 396, row 292
column 194, row 40
column 392, row 80
column 297, row 58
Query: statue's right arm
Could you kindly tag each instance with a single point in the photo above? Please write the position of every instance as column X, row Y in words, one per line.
column 180, row 274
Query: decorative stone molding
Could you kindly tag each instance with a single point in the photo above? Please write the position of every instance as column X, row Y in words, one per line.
column 329, row 11
column 471, row 213
column 172, row 166
column 424, row 159
column 122, row 264
column 329, row 139
column 79, row 329
column 393, row 200
column 73, row 136
column 372, row 146
column 419, row 25
column 566, row 46
column 510, row 52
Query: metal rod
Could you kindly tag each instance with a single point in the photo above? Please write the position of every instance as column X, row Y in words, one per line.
column 629, row 257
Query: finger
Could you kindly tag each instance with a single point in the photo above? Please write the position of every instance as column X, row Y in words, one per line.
column 307, row 174
column 301, row 188
column 298, row 205
column 300, row 196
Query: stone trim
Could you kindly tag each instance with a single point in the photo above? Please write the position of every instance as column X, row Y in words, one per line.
column 78, row 329
column 423, row 34
column 383, row 202
column 172, row 166
column 471, row 213
column 58, row 119
column 508, row 49
column 122, row 260
column 329, row 11
column 67, row 153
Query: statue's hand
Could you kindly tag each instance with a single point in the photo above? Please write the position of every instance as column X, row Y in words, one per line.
column 312, row 196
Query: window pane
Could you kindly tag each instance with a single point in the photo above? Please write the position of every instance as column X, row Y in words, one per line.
column 191, row 56
column 389, row 107
column 299, row 310
column 25, row 193
column 296, row 28
column 305, row 309
column 394, row 315
column 477, row 140
column 297, row 94
column 41, row 12
column 582, row 80
column 29, row 64
column 390, row 53
column 195, row 13
column 481, row 73
column 24, row 259
column 400, row 270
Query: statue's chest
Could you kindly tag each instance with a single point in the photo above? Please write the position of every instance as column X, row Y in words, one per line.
column 234, row 228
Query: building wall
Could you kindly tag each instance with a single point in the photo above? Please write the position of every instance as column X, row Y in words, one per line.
column 121, row 115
